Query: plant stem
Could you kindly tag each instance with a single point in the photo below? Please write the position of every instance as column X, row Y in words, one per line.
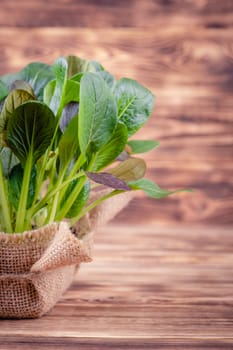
column 21, row 212
column 46, row 156
column 40, row 177
column 77, row 188
column 77, row 165
column 4, row 203
column 51, row 194
column 75, row 169
column 62, row 213
column 52, row 213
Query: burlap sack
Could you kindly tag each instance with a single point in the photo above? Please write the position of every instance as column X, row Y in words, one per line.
column 36, row 267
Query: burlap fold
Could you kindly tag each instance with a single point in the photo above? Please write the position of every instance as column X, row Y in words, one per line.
column 36, row 267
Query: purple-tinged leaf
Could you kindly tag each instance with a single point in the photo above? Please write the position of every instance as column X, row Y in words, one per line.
column 108, row 180
column 68, row 113
column 123, row 156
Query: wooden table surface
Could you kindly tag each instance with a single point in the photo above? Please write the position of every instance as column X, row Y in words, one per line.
column 148, row 288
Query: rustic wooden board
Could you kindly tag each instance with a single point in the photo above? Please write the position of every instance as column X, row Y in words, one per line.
column 147, row 288
column 115, row 13
column 192, row 76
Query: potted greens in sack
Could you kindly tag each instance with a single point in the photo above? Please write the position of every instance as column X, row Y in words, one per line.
column 61, row 127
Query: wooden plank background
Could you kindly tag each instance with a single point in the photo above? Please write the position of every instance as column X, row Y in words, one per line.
column 181, row 50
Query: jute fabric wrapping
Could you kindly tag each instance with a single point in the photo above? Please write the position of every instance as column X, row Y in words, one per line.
column 36, row 267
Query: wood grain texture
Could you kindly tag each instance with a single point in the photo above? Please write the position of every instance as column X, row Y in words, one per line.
column 191, row 73
column 115, row 13
column 151, row 288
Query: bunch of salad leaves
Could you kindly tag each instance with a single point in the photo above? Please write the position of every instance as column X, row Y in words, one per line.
column 61, row 127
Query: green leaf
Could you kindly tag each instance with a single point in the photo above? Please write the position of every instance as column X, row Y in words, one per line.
column 3, row 90
column 135, row 104
column 61, row 91
column 109, row 78
column 71, row 92
column 9, row 160
column 98, row 66
column 30, row 130
column 78, row 65
column 109, row 152
column 97, row 113
column 15, row 181
column 49, row 92
column 130, row 169
column 152, row 189
column 69, row 145
column 80, row 200
column 142, row 146
column 36, row 74
column 77, row 77
column 60, row 68
column 13, row 100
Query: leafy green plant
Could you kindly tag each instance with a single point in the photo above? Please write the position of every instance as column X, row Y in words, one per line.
column 64, row 130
